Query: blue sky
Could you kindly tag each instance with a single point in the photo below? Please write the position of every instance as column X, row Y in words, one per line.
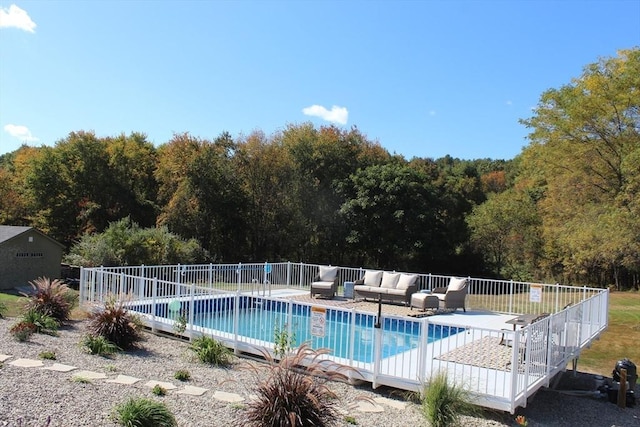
column 423, row 78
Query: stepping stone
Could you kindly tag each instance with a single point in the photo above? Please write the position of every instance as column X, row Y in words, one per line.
column 193, row 391
column 164, row 385
column 27, row 363
column 365, row 406
column 227, row 397
column 390, row 402
column 90, row 375
column 124, row 379
column 4, row 357
column 59, row 367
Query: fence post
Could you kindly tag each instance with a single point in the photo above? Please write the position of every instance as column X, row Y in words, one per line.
column 81, row 286
column 288, row 273
column 557, row 298
column 122, row 284
column 192, row 297
column 352, row 337
column 141, row 283
column 210, row 274
column 622, row 391
column 154, row 293
column 515, row 368
column 377, row 352
column 239, row 276
column 422, row 351
column 236, row 319
column 289, row 321
column 511, row 290
column 301, row 274
column 102, row 285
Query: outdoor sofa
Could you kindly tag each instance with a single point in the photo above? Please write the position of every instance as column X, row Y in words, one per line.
column 386, row 286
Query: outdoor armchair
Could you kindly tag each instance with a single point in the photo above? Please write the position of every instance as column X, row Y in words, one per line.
column 453, row 295
column 325, row 283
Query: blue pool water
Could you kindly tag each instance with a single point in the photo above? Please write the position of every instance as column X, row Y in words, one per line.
column 259, row 319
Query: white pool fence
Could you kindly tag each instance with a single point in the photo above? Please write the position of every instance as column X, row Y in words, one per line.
column 476, row 352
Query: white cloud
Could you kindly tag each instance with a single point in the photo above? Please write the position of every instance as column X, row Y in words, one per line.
column 21, row 132
column 337, row 114
column 432, row 112
column 509, row 102
column 16, row 18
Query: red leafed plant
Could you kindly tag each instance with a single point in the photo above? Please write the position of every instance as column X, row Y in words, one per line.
column 52, row 298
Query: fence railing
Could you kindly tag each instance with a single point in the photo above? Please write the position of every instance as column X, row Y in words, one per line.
column 484, row 294
column 404, row 352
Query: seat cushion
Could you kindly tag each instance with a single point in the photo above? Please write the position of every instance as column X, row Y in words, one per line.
column 322, row 285
column 406, row 280
column 455, row 284
column 372, row 278
column 396, row 292
column 328, row 274
column 366, row 289
column 389, row 280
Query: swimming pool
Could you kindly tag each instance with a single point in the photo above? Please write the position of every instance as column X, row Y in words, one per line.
column 260, row 318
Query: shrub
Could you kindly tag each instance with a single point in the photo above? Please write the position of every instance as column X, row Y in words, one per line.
column 52, row 298
column 99, row 345
column 22, row 330
column 140, row 412
column 47, row 355
column 209, row 350
column 284, row 341
column 44, row 324
column 182, row 375
column 158, row 390
column 293, row 396
column 443, row 403
column 116, row 324
column 3, row 309
column 180, row 324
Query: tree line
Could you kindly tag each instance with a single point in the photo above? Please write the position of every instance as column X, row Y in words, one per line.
column 565, row 209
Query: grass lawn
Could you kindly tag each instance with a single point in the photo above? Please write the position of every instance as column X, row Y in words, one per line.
column 13, row 303
column 620, row 340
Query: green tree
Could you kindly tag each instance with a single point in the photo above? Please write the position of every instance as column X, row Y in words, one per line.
column 84, row 182
column 323, row 159
column 583, row 157
column 392, row 215
column 505, row 231
column 200, row 193
column 124, row 242
column 273, row 215
column 132, row 163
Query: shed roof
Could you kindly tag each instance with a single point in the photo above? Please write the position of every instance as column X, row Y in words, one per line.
column 8, row 232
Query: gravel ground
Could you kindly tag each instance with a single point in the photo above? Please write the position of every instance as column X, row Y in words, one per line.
column 28, row 396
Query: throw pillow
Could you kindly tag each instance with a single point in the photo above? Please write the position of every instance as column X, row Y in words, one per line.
column 456, row 284
column 406, row 280
column 328, row 274
column 389, row 280
column 372, row 278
